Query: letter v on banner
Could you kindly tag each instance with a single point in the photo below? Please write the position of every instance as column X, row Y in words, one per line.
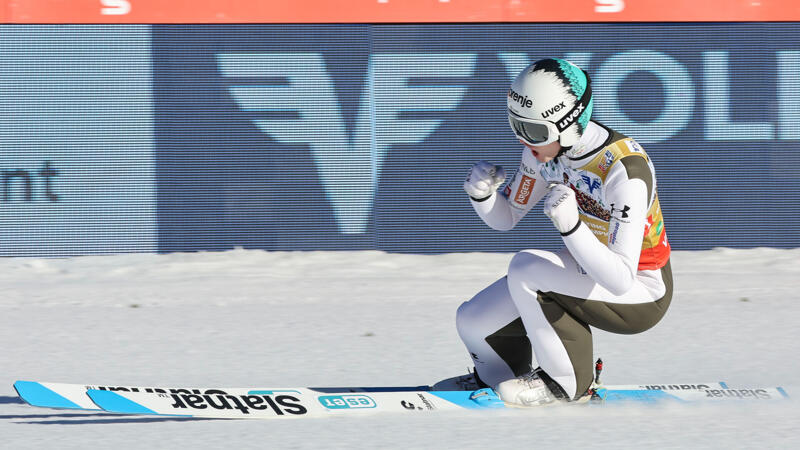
column 349, row 166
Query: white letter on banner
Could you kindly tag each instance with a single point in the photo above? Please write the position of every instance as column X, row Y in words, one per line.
column 678, row 94
column 349, row 169
column 115, row 7
column 609, row 6
column 717, row 101
column 788, row 95
column 390, row 95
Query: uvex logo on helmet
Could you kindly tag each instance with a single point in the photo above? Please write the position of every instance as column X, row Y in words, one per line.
column 547, row 113
column 567, row 121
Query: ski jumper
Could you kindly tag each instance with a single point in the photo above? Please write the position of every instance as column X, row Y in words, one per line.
column 614, row 273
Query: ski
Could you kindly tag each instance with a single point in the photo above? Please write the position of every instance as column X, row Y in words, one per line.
column 268, row 403
column 73, row 396
column 303, row 402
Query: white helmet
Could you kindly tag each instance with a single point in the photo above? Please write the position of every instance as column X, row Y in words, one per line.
column 550, row 100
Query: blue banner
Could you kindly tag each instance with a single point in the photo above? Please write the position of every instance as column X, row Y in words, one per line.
column 359, row 136
column 319, row 137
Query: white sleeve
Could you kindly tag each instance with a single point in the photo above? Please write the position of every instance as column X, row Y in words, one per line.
column 503, row 210
column 614, row 267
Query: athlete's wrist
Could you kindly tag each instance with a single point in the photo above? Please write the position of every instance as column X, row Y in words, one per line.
column 574, row 229
column 482, row 199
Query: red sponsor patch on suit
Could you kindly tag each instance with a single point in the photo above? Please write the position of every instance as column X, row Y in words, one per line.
column 525, row 189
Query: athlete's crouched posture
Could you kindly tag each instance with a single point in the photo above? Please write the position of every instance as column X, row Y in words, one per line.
column 529, row 333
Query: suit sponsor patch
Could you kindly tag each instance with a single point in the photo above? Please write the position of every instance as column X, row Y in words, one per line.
column 524, row 191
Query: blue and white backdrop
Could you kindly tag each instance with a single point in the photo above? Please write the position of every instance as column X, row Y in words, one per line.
column 319, row 137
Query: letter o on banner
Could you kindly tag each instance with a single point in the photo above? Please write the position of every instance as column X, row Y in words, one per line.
column 679, row 94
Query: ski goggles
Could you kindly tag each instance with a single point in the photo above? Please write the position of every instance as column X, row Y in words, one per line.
column 533, row 131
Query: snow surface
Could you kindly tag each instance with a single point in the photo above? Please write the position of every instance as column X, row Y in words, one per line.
column 244, row 318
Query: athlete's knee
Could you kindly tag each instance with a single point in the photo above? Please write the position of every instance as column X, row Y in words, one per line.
column 529, row 269
column 472, row 315
column 466, row 318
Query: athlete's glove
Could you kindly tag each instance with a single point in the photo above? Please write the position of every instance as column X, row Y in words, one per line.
column 562, row 208
column 483, row 180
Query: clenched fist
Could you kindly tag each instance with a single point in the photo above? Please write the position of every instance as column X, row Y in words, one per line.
column 562, row 208
column 483, row 180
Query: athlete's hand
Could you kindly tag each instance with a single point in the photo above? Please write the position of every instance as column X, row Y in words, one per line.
column 483, row 180
column 562, row 208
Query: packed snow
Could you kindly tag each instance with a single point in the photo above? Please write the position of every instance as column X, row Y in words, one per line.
column 255, row 318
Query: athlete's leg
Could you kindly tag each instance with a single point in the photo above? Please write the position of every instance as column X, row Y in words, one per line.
column 492, row 331
column 558, row 302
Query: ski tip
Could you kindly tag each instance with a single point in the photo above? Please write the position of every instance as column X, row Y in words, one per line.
column 113, row 402
column 35, row 394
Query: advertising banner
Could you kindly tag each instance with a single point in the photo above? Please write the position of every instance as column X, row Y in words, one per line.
column 394, row 11
column 344, row 136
